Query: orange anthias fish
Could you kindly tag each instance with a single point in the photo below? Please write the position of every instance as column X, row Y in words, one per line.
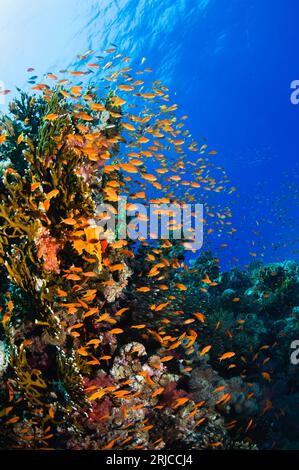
column 266, row 376
column 180, row 402
column 227, row 355
column 205, row 350
column 200, row 316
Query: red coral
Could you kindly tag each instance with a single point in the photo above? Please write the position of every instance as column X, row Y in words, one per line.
column 101, row 380
column 48, row 248
column 100, row 410
column 171, row 394
column 105, row 406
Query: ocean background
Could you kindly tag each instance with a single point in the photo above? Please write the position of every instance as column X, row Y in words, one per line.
column 229, row 65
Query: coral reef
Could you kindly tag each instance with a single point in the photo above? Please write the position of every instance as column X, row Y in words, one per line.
column 110, row 344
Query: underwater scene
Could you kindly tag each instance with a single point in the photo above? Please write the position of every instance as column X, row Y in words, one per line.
column 149, row 229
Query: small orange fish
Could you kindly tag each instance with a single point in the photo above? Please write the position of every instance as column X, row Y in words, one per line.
column 205, row 350
column 225, row 398
column 73, row 277
column 181, row 286
column 82, row 352
column 20, row 138
column 90, row 312
column 200, row 421
column 146, row 428
column 129, row 127
column 5, row 411
column 180, row 402
column 117, row 267
column 226, row 355
column 158, row 391
column 116, row 331
column 216, row 444
column 218, row 389
column 69, row 221
column 110, row 444
column 143, row 289
column 267, row 376
column 200, row 316
column 121, row 311
column 13, row 420
column 97, row 395
column 161, row 306
column 249, row 425
column 51, row 117
column 125, row 87
column 128, row 167
column 147, row 377
column 166, row 358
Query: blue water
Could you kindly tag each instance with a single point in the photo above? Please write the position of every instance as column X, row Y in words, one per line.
column 229, row 65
